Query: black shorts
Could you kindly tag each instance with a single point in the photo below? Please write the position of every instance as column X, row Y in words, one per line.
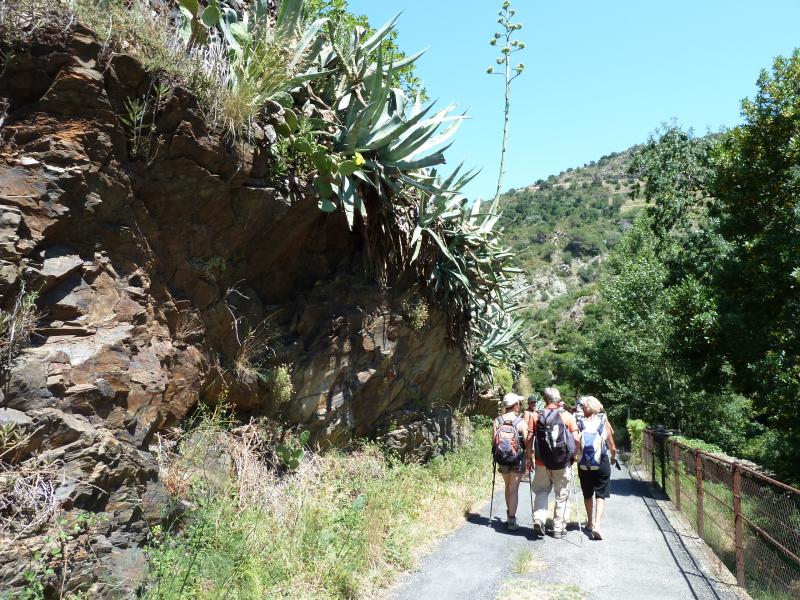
column 596, row 483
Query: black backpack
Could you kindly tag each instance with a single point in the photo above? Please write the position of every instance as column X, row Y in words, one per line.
column 553, row 443
column 507, row 445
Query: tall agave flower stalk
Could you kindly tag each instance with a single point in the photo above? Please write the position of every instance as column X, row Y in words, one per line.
column 508, row 47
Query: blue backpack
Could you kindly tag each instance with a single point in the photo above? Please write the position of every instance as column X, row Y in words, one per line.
column 593, row 442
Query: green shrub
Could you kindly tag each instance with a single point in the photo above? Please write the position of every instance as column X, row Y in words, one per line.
column 636, row 429
column 503, row 380
column 522, row 386
column 699, row 445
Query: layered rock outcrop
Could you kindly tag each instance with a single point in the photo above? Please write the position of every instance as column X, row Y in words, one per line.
column 159, row 266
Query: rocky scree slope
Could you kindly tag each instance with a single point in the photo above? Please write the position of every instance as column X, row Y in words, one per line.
column 150, row 275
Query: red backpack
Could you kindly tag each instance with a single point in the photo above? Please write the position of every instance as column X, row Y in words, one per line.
column 506, row 444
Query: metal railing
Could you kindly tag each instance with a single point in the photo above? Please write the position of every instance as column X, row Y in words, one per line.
column 749, row 520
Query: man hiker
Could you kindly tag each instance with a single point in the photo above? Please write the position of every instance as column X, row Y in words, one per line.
column 555, row 439
column 508, row 452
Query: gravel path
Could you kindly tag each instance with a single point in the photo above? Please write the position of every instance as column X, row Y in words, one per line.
column 642, row 557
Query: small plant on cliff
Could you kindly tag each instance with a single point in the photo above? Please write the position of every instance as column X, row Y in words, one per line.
column 292, row 452
column 139, row 122
column 16, row 326
column 508, row 46
column 268, row 58
column 279, row 382
column 416, row 310
column 255, row 351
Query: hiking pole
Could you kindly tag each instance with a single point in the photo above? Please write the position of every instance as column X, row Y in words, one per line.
column 575, row 503
column 491, row 502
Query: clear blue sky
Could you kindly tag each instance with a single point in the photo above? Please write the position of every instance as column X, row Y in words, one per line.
column 600, row 76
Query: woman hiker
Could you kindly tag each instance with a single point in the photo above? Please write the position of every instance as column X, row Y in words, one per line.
column 597, row 453
column 508, row 442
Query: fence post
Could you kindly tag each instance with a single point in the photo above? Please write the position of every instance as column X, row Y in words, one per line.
column 737, row 524
column 662, row 457
column 676, row 467
column 652, row 458
column 698, row 473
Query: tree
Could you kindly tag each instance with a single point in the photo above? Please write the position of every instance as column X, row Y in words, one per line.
column 757, row 186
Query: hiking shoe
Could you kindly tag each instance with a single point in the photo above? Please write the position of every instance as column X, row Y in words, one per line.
column 512, row 524
column 596, row 535
column 557, row 535
column 538, row 528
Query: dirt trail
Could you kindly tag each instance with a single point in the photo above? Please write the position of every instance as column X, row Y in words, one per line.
column 642, row 557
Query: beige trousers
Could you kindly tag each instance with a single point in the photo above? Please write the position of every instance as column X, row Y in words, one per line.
column 543, row 481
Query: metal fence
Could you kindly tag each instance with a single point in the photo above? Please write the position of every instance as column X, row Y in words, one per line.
column 749, row 520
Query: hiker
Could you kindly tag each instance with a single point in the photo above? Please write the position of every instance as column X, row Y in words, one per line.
column 597, row 452
column 579, row 412
column 508, row 451
column 529, row 416
column 555, row 438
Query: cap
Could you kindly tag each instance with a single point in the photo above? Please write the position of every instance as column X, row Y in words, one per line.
column 511, row 399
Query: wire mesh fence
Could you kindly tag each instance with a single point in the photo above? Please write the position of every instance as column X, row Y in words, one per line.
column 749, row 520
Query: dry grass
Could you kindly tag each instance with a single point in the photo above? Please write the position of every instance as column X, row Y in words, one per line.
column 232, row 92
column 526, row 562
column 525, row 589
column 188, row 325
column 17, row 324
column 27, row 497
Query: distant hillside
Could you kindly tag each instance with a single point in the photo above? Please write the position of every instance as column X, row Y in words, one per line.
column 577, row 214
column 561, row 228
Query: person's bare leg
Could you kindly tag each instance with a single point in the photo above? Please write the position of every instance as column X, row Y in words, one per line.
column 601, row 504
column 507, row 491
column 513, row 497
column 589, row 505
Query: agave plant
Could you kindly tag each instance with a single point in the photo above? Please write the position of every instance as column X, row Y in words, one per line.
column 379, row 145
column 352, row 56
column 384, row 139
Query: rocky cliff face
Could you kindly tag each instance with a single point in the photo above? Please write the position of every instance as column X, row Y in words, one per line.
column 183, row 273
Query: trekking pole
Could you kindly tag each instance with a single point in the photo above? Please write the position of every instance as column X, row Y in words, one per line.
column 491, row 502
